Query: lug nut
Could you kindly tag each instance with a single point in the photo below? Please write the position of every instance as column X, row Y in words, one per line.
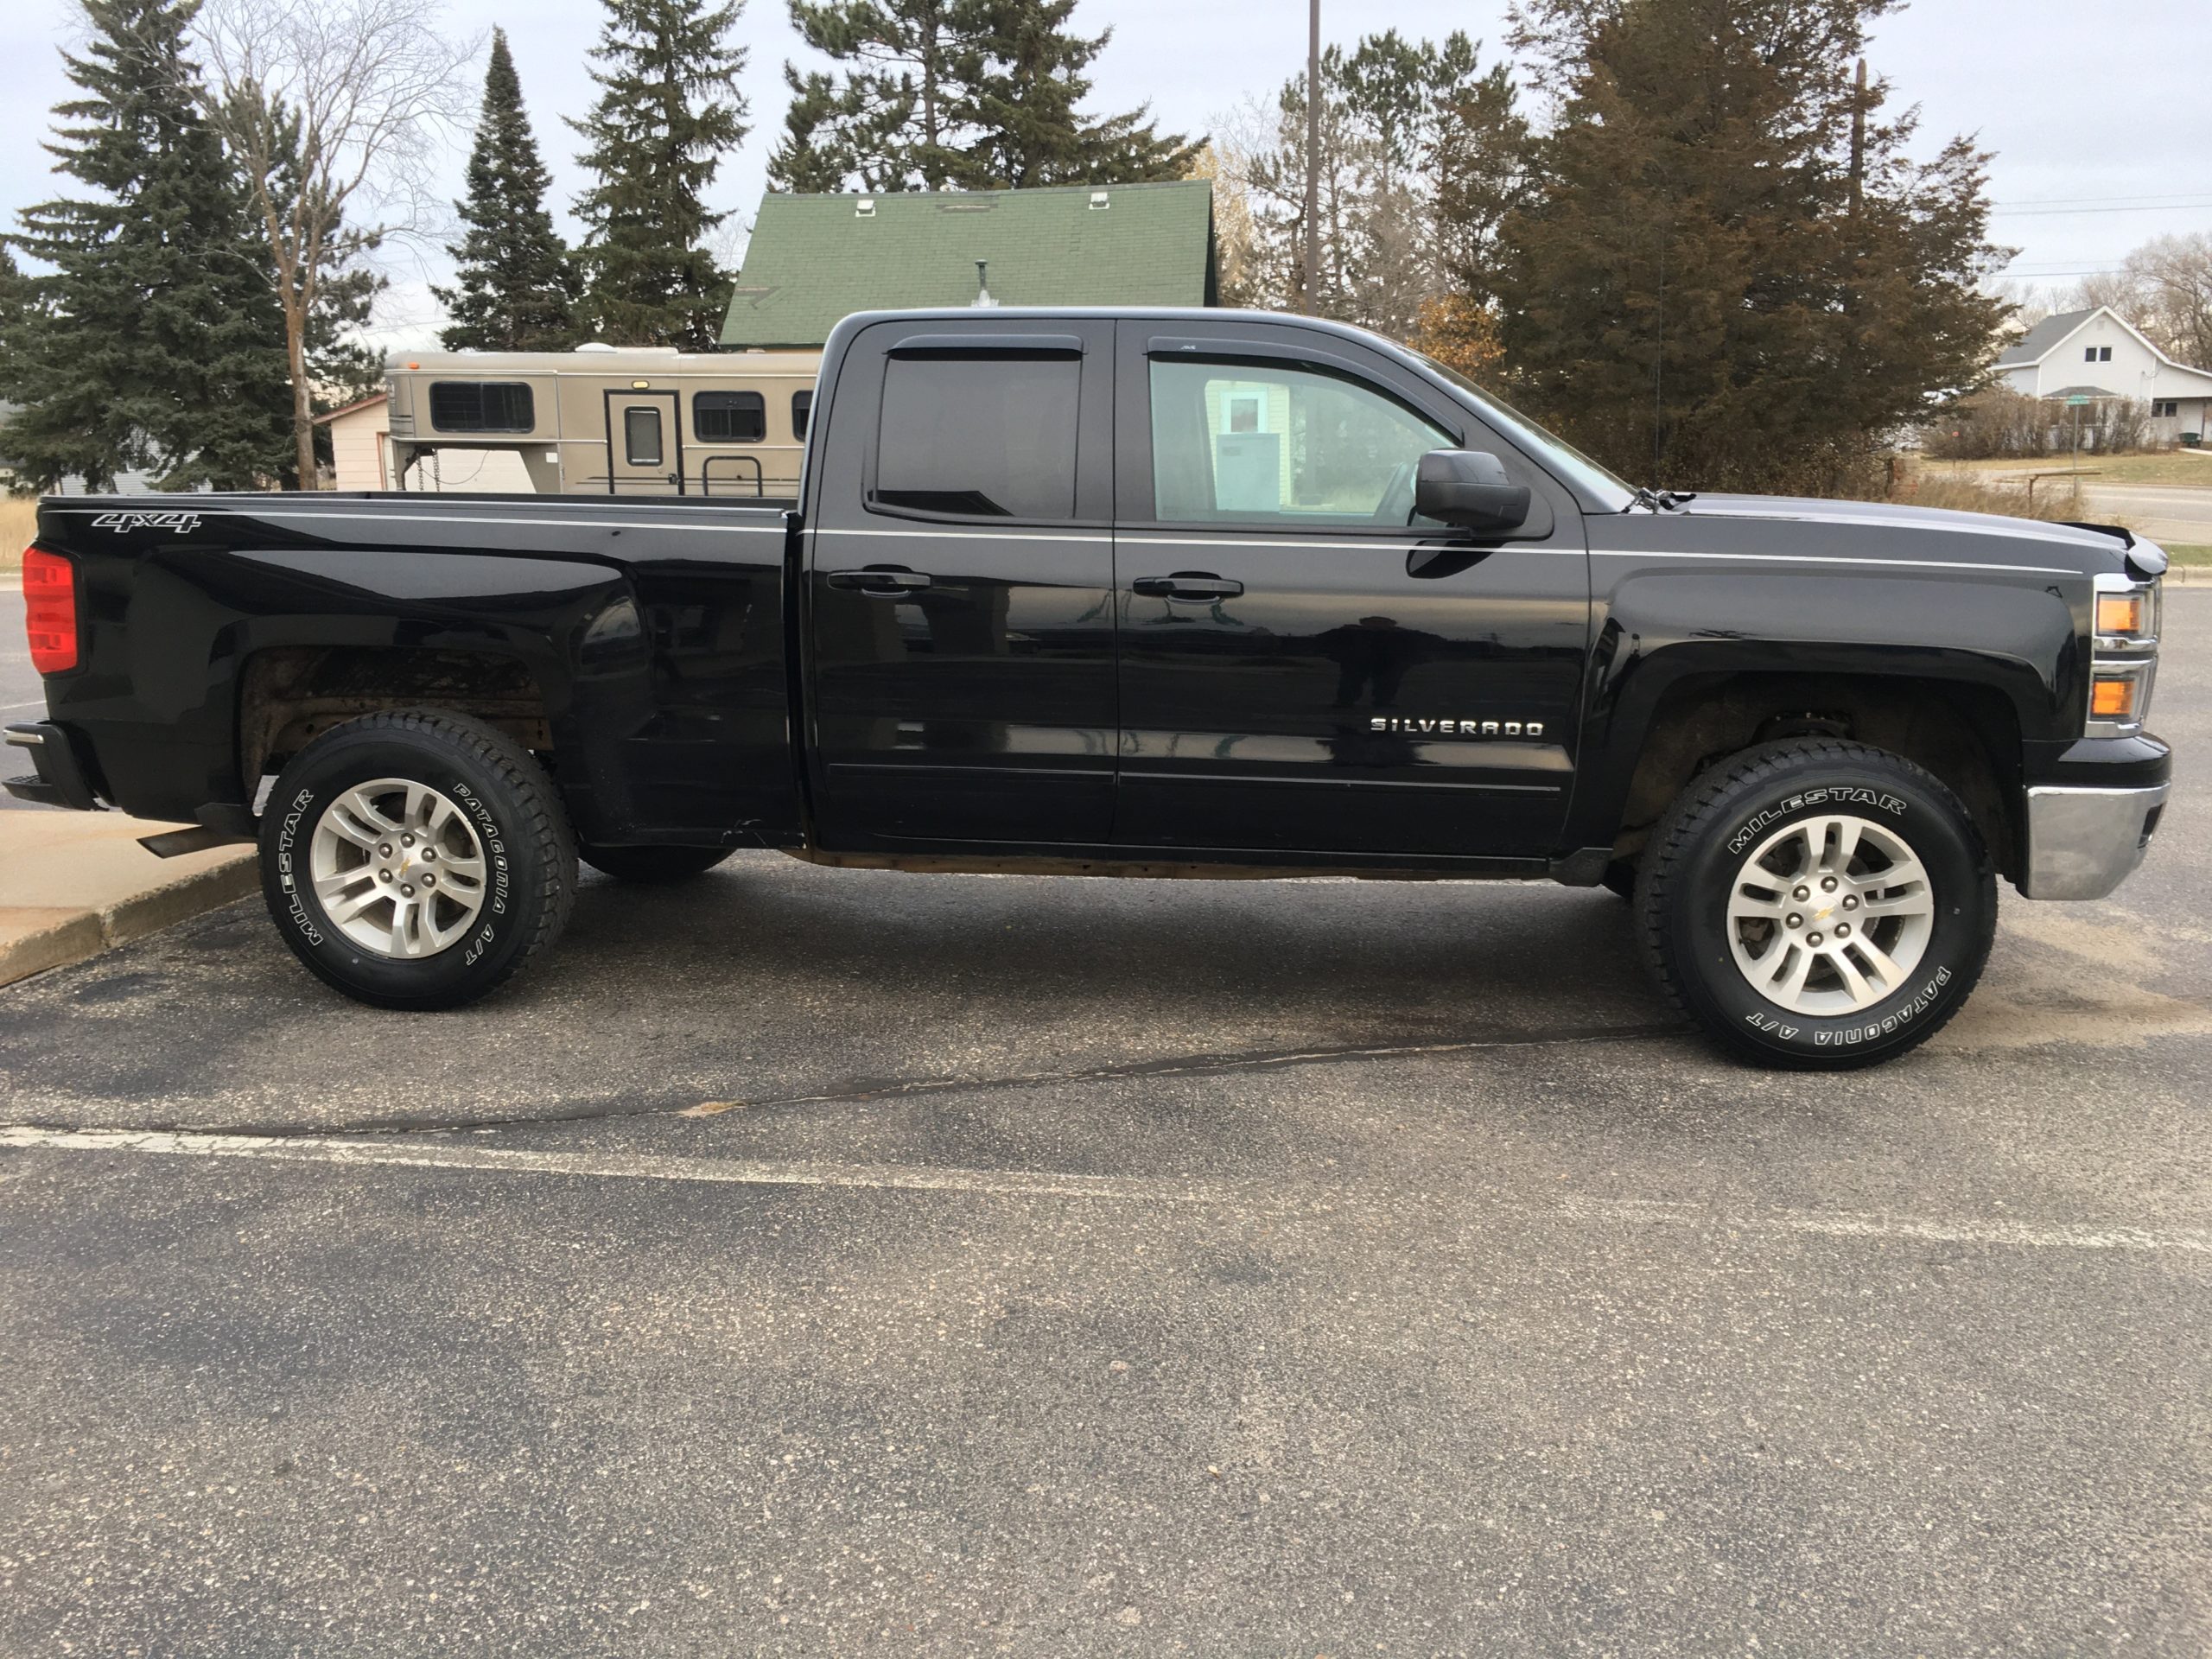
column 1842, row 929
column 409, row 841
column 1812, row 938
column 429, row 852
column 384, row 851
column 429, row 881
column 384, row 875
column 1848, row 903
column 409, row 891
column 1828, row 885
column 1803, row 892
column 1796, row 920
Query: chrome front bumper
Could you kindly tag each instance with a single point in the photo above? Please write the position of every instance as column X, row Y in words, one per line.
column 2083, row 842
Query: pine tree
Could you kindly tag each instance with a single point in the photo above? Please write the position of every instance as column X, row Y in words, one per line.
column 891, row 122
column 156, row 341
column 967, row 94
column 1730, row 274
column 1025, row 79
column 669, row 110
column 513, row 284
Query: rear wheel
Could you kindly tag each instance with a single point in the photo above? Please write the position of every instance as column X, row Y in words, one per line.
column 652, row 864
column 415, row 860
column 1817, row 904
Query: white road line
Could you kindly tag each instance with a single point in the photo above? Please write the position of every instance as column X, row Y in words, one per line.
column 418, row 1154
column 921, row 1177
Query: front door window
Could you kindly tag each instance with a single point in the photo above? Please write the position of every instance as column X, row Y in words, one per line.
column 1278, row 447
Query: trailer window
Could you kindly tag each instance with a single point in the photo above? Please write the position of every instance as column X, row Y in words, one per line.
column 641, row 437
column 729, row 416
column 801, row 407
column 481, row 406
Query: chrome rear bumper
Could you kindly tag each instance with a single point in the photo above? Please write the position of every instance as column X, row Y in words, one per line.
column 2082, row 842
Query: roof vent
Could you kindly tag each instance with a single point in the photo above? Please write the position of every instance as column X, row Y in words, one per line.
column 864, row 208
column 984, row 302
column 1100, row 198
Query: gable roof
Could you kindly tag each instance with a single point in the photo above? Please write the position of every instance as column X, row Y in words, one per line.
column 359, row 403
column 815, row 260
column 2044, row 337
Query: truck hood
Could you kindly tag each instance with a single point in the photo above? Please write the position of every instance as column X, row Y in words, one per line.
column 1894, row 516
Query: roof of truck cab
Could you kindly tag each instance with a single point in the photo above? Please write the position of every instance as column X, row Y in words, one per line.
column 815, row 260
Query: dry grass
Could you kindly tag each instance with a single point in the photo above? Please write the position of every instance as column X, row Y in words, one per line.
column 1964, row 492
column 18, row 524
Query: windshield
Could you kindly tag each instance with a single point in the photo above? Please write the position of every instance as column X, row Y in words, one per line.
column 1584, row 475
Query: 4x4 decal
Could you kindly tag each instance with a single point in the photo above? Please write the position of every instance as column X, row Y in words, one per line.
column 182, row 523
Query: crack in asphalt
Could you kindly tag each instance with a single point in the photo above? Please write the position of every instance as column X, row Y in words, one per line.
column 907, row 1088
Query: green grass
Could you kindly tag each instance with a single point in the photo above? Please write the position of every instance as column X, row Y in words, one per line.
column 2186, row 553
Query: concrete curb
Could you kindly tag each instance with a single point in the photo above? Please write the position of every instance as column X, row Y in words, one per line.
column 72, row 885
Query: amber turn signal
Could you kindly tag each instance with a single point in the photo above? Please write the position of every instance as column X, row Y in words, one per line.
column 2122, row 613
column 2114, row 699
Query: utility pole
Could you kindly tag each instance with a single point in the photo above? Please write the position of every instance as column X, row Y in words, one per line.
column 1859, row 139
column 1313, row 158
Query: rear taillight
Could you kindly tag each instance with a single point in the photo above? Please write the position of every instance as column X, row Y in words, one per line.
column 50, row 610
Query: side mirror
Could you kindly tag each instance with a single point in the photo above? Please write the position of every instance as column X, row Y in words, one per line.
column 1469, row 488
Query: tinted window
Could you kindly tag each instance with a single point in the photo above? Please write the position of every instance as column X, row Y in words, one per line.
column 1249, row 442
column 986, row 437
column 641, row 437
column 729, row 416
column 481, row 406
column 801, row 406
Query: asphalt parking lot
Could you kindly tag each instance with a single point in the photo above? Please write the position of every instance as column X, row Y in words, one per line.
column 811, row 1262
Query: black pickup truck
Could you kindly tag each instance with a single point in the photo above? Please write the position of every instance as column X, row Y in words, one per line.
column 1155, row 593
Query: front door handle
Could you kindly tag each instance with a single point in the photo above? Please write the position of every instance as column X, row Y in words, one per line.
column 880, row 580
column 1188, row 584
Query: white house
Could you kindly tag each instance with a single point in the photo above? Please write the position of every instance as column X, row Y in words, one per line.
column 2098, row 354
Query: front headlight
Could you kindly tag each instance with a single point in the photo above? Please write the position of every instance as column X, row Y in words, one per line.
column 2126, row 655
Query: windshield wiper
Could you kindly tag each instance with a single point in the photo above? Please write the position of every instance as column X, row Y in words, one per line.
column 1664, row 500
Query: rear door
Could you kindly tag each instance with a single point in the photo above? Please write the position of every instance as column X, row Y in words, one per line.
column 1303, row 666
column 960, row 586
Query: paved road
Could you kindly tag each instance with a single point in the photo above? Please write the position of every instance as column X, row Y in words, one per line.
column 19, row 697
column 819, row 1261
column 2163, row 512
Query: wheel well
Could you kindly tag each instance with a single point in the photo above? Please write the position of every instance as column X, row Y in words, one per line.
column 1966, row 735
column 293, row 694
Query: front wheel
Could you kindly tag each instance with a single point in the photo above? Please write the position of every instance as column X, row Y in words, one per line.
column 1817, row 904
column 415, row 860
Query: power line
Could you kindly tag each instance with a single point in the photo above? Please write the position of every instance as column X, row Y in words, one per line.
column 2061, row 213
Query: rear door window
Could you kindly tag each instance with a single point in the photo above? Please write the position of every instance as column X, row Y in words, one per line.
column 982, row 438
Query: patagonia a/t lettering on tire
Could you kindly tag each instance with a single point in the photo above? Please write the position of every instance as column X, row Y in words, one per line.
column 415, row 860
column 1817, row 904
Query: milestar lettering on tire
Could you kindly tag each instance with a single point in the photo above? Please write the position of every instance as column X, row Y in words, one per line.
column 1817, row 904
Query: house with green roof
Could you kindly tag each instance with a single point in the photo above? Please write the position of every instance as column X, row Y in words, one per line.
column 815, row 260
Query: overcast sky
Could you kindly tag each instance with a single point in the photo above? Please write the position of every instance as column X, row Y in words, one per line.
column 2098, row 114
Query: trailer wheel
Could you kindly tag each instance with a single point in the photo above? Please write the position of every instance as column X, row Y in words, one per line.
column 1817, row 904
column 416, row 859
column 652, row 865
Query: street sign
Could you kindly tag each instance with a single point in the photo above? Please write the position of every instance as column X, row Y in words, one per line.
column 2077, row 401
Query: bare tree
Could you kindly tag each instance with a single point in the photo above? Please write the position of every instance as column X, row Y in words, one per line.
column 331, row 108
column 2175, row 274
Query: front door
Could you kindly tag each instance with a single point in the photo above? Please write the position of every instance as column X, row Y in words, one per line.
column 960, row 586
column 1303, row 664
column 644, row 444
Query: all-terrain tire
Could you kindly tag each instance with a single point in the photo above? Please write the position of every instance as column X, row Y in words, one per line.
column 652, row 865
column 502, row 813
column 1702, row 855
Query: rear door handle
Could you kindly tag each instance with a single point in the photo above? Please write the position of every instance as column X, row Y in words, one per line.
column 880, row 579
column 1188, row 584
